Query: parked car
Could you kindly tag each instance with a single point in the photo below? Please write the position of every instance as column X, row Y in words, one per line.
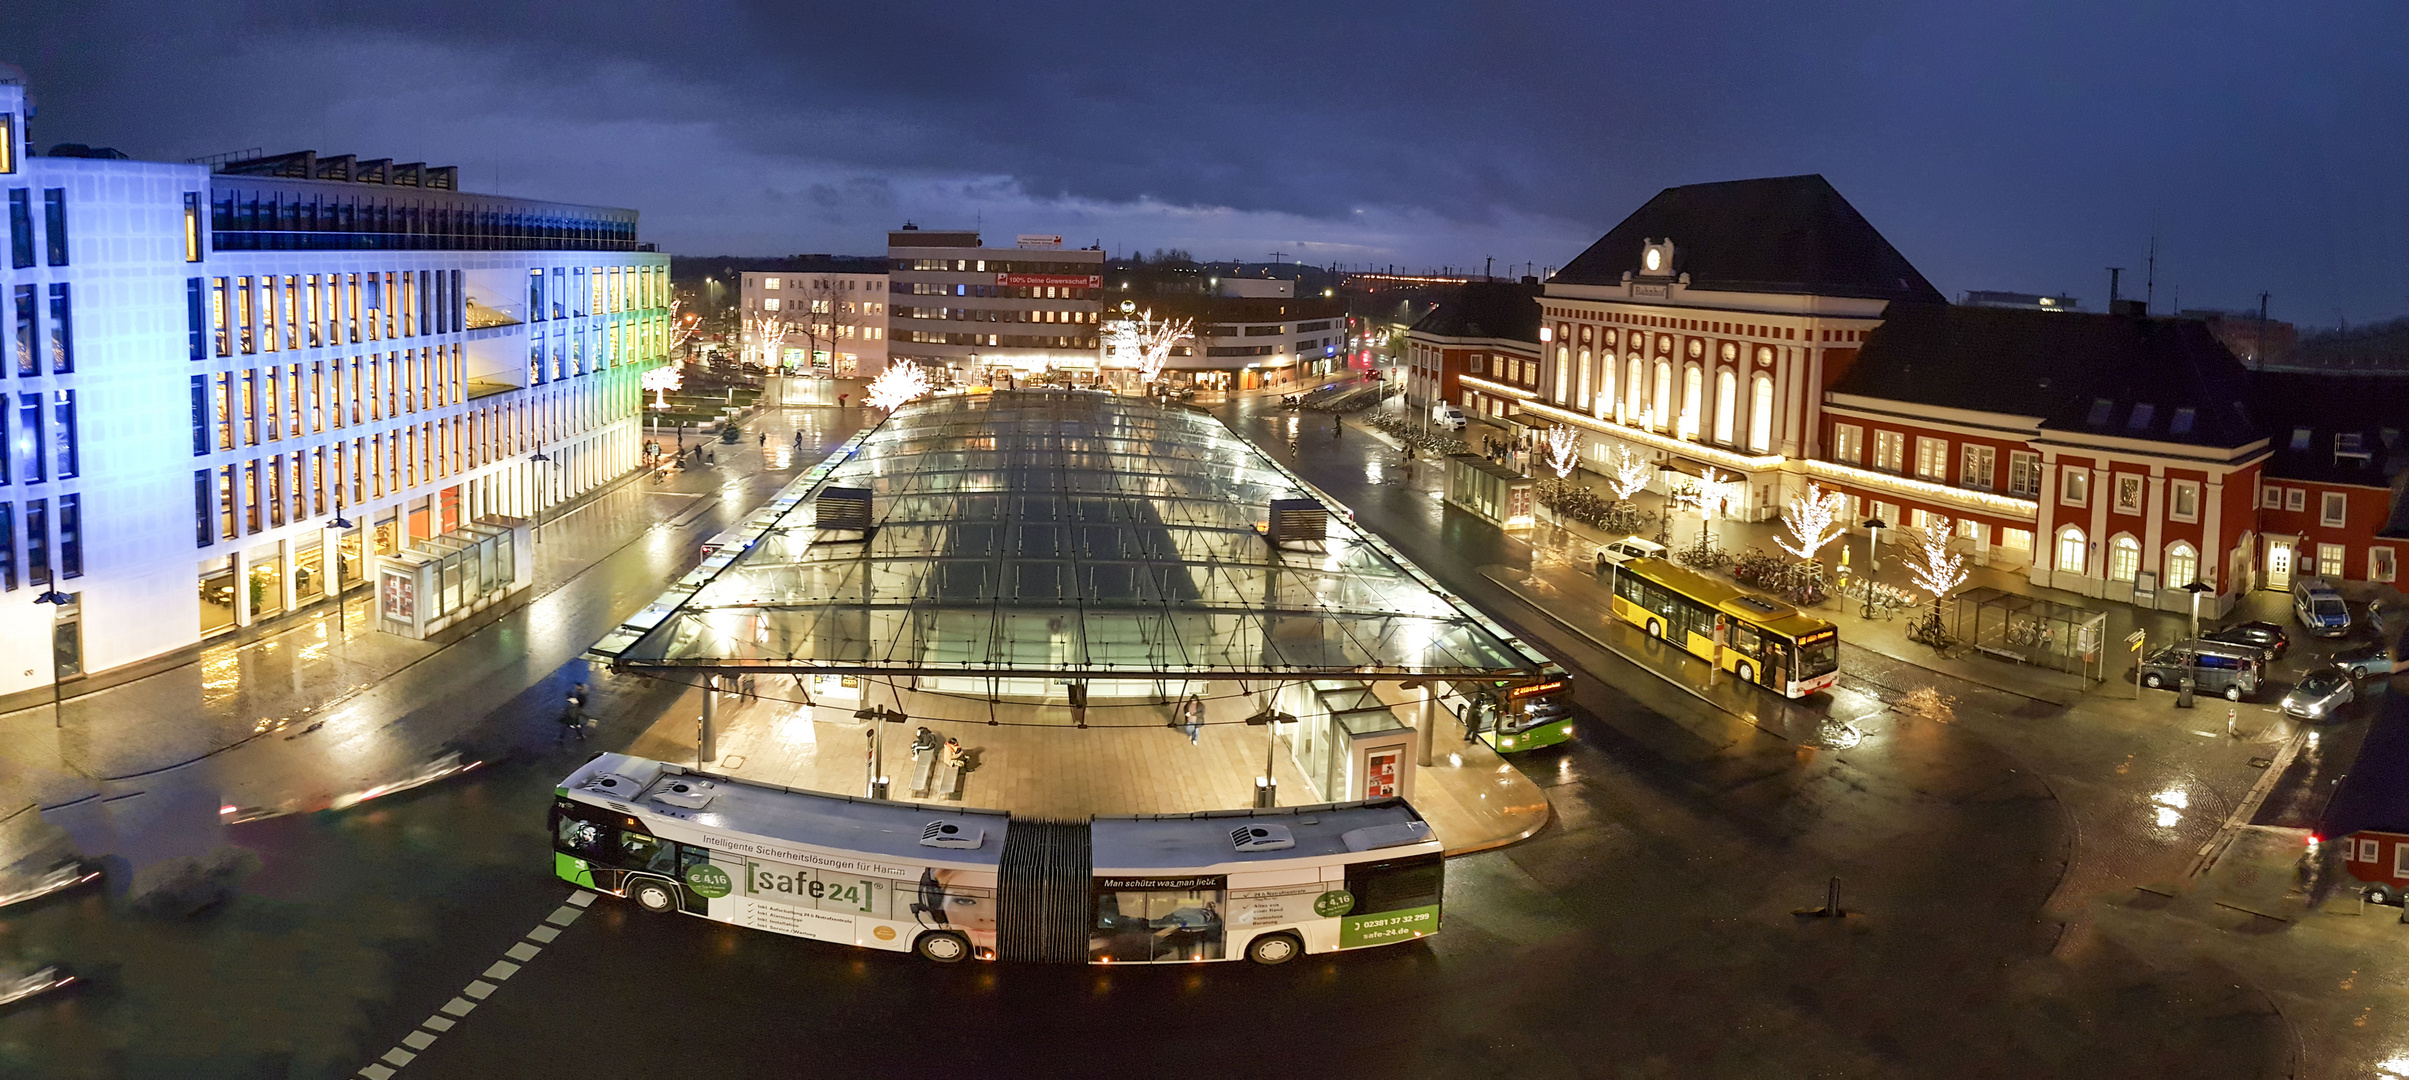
column 1290, row 401
column 2319, row 607
column 1618, row 552
column 2215, row 667
column 1447, row 416
column 2266, row 635
column 2365, row 660
column 18, row 888
column 2320, row 695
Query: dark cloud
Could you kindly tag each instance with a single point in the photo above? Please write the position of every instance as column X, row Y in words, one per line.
column 2000, row 146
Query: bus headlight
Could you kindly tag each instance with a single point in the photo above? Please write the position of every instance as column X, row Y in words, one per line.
column 1565, row 730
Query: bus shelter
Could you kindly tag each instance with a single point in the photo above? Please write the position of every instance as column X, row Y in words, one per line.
column 1092, row 555
column 2031, row 630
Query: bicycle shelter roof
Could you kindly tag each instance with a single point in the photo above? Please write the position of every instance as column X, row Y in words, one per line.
column 1066, row 534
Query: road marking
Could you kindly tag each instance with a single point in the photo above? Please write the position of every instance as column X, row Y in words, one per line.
column 479, row 988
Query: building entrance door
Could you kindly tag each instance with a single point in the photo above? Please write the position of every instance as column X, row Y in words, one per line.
column 2279, row 565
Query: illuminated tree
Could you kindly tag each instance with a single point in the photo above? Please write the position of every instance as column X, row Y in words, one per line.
column 1138, row 341
column 767, row 331
column 1563, row 450
column 661, row 380
column 683, row 326
column 1934, row 567
column 1813, row 520
column 1630, row 475
column 899, row 385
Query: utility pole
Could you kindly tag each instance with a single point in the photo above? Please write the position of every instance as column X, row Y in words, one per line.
column 2115, row 274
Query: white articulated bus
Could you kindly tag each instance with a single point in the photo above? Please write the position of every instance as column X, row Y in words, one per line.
column 950, row 883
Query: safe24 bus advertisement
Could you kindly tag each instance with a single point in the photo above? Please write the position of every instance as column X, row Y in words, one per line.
column 950, row 883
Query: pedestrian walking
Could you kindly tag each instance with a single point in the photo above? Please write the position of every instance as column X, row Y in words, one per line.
column 573, row 716
column 840, row 401
column 765, row 439
column 1192, row 712
column 798, row 442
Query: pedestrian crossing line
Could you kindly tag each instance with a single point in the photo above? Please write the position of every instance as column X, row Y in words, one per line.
column 479, row 988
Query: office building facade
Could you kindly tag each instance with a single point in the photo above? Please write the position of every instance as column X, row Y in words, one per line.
column 210, row 369
column 972, row 314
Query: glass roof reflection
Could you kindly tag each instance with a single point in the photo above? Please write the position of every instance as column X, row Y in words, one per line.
column 1060, row 533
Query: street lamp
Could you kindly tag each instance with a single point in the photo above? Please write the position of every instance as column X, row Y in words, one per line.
column 340, row 525
column 1873, row 559
column 2198, row 589
column 1267, row 790
column 59, row 602
column 539, row 457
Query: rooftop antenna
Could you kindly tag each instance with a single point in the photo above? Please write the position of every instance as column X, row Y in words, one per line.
column 1489, row 268
column 2149, row 294
column 2115, row 274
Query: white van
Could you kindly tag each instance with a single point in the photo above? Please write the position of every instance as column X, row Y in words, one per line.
column 1447, row 416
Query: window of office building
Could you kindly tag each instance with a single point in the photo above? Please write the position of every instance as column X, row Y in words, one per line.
column 1932, row 459
column 37, row 542
column 54, row 224
column 28, row 365
column 62, row 338
column 71, row 536
column 192, row 226
column 20, row 227
column 62, row 430
column 32, row 464
column 1848, row 443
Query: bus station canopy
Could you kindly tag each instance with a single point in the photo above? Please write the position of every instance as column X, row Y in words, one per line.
column 1067, row 534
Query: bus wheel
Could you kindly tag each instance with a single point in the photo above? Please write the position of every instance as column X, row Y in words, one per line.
column 942, row 946
column 1747, row 674
column 654, row 895
column 1656, row 629
column 2381, row 894
column 1274, row 949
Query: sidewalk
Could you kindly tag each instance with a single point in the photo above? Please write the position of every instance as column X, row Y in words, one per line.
column 269, row 692
column 1030, row 759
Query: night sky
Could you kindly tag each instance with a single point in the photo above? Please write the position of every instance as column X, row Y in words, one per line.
column 2000, row 146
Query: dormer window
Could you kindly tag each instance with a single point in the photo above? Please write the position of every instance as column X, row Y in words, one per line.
column 2182, row 423
column 2142, row 415
column 2300, row 438
column 2100, row 408
column 2348, row 446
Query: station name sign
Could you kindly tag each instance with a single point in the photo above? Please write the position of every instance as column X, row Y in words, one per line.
column 1076, row 281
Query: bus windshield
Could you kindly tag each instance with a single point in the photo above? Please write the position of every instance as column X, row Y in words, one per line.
column 1821, row 658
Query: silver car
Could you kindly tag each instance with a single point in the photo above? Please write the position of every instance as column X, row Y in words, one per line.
column 2365, row 660
column 2320, row 695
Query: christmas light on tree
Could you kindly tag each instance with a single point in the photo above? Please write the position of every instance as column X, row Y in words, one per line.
column 1813, row 520
column 1935, row 568
column 899, row 385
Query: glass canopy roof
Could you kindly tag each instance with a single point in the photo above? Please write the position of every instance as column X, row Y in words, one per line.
column 1050, row 533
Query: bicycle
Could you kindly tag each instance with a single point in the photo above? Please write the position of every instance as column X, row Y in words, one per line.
column 1929, row 631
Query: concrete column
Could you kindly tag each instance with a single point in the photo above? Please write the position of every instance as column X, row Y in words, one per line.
column 1424, row 729
column 2212, row 538
column 706, row 739
column 2045, row 523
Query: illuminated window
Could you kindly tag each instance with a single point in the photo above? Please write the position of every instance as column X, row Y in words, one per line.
column 1661, row 409
column 2075, row 489
column 2182, row 564
column 1727, row 402
column 2124, row 558
column 2380, row 564
column 2073, row 550
column 1760, row 415
column 1693, row 389
column 2329, row 559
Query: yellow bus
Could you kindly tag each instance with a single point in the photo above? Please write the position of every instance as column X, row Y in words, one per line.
column 1760, row 640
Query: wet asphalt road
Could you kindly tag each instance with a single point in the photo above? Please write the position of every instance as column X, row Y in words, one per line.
column 1647, row 932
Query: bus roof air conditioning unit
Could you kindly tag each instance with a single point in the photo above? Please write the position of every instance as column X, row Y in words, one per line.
column 1297, row 521
column 1262, row 838
column 946, row 834
column 691, row 794
column 1380, row 836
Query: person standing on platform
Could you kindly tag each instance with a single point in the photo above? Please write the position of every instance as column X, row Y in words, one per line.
column 1191, row 714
